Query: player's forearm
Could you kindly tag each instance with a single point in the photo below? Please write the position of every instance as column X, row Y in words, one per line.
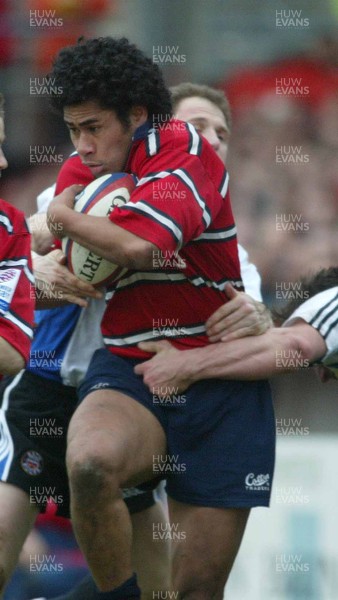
column 104, row 238
column 237, row 359
column 275, row 352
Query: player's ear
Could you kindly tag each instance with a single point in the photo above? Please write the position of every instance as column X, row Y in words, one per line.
column 138, row 115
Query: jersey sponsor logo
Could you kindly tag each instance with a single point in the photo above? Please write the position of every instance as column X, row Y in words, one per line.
column 8, row 281
column 259, row 483
column 32, row 462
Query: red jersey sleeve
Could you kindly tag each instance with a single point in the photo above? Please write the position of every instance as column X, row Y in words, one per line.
column 17, row 295
column 171, row 204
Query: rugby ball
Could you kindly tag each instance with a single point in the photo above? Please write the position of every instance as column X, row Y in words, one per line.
column 98, row 199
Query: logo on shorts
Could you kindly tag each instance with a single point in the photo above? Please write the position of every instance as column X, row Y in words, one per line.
column 32, row 462
column 99, row 386
column 259, row 483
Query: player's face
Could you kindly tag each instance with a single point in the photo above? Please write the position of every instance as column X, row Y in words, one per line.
column 101, row 140
column 3, row 161
column 208, row 120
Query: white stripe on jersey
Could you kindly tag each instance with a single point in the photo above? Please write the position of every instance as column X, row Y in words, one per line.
column 158, row 216
column 6, row 222
column 152, row 141
column 224, row 187
column 27, row 330
column 199, row 281
column 189, row 183
column 29, row 275
column 144, row 277
column 320, row 311
column 217, row 235
column 195, row 139
column 149, row 276
column 21, row 262
column 167, row 332
column 6, row 442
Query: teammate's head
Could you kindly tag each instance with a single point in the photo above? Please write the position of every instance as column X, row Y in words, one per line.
column 106, row 89
column 113, row 73
column 3, row 161
column 207, row 109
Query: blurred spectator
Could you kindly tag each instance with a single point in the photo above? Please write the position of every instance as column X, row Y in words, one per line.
column 284, row 176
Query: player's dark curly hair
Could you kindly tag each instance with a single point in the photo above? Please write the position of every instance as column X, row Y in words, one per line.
column 309, row 286
column 112, row 72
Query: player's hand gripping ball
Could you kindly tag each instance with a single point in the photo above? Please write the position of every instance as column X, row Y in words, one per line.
column 98, row 199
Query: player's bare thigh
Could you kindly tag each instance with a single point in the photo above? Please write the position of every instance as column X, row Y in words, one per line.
column 205, row 551
column 117, row 431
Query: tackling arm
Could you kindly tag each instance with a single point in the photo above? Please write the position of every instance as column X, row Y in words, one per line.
column 247, row 358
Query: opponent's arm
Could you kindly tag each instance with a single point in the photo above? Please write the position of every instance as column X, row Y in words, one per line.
column 42, row 238
column 240, row 317
column 55, row 285
column 277, row 351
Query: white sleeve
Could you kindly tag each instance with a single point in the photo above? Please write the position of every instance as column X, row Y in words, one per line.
column 250, row 276
column 44, row 199
column 321, row 311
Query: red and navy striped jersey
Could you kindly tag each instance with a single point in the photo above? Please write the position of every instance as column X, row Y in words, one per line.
column 181, row 204
column 17, row 296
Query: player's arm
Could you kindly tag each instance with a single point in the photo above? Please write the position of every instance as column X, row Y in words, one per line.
column 55, row 285
column 240, row 317
column 161, row 225
column 42, row 238
column 246, row 359
column 99, row 234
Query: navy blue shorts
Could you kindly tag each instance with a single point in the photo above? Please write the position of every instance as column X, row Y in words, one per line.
column 220, row 434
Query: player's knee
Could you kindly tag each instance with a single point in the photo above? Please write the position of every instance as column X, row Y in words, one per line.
column 92, row 476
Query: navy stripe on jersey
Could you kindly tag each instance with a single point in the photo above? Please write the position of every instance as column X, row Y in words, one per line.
column 218, row 235
column 156, row 333
column 151, row 277
column 5, row 222
column 324, row 313
column 19, row 322
column 152, row 143
column 18, row 263
column 331, row 327
column 217, row 285
column 158, row 216
column 183, row 176
column 195, row 140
